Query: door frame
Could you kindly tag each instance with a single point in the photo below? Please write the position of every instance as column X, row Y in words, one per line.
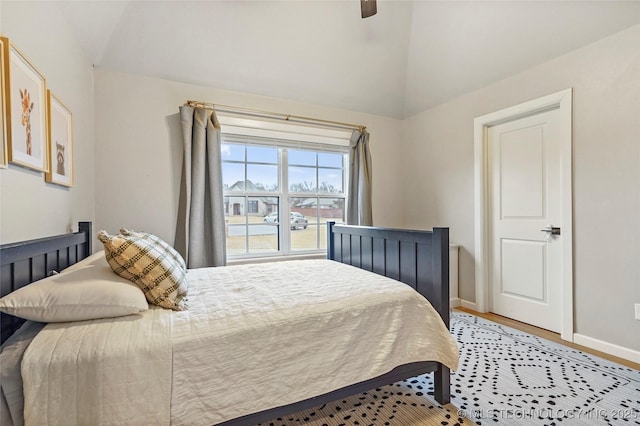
column 561, row 101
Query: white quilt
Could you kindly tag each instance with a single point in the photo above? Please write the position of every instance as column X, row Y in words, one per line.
column 254, row 337
column 100, row 372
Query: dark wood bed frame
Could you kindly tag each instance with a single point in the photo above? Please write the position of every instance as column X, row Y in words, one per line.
column 417, row 258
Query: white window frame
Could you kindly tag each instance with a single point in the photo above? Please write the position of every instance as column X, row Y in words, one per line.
column 284, row 135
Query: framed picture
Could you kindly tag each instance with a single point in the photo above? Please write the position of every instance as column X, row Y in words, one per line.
column 4, row 50
column 60, row 145
column 25, row 111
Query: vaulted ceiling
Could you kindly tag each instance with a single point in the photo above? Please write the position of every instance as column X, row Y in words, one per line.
column 409, row 57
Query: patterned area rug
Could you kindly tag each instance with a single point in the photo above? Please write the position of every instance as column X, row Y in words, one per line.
column 509, row 377
column 506, row 377
column 403, row 403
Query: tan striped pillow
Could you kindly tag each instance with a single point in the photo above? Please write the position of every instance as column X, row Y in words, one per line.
column 154, row 269
column 156, row 240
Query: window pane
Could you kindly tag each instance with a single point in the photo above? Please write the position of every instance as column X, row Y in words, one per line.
column 233, row 176
column 260, row 207
column 263, row 238
column 304, row 231
column 307, row 207
column 262, row 154
column 236, row 239
column 331, row 209
column 260, row 242
column 302, row 158
column 262, row 219
column 330, row 180
column 248, row 228
column 234, row 209
column 326, row 159
column 232, row 152
column 322, row 238
column 302, row 179
column 305, row 239
column 262, row 178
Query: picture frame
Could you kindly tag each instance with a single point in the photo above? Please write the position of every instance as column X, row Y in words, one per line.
column 25, row 111
column 60, row 142
column 4, row 53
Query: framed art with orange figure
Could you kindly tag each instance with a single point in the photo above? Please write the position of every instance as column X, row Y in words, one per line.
column 25, row 110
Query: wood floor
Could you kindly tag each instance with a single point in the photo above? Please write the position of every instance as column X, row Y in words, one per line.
column 545, row 334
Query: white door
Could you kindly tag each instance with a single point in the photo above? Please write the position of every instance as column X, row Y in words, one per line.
column 525, row 191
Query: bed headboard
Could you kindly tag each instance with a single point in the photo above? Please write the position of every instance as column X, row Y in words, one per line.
column 417, row 258
column 24, row 262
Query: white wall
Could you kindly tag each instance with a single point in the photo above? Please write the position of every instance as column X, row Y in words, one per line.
column 29, row 207
column 605, row 76
column 139, row 149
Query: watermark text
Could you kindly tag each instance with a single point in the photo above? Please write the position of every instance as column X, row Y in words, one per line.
column 550, row 413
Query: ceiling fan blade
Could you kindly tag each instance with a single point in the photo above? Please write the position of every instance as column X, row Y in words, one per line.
column 368, row 8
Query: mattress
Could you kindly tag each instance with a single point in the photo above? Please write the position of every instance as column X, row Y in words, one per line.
column 254, row 337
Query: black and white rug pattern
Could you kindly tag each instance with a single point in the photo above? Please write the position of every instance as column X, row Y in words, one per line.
column 505, row 377
column 510, row 377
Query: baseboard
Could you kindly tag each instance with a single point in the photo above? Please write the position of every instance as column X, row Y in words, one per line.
column 468, row 305
column 455, row 302
column 606, row 347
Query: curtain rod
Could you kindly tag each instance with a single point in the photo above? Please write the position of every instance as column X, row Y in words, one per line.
column 277, row 115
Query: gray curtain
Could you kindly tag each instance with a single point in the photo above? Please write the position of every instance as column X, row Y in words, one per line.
column 359, row 210
column 202, row 232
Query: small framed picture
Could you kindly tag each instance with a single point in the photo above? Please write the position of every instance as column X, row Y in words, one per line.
column 26, row 111
column 4, row 53
column 60, row 138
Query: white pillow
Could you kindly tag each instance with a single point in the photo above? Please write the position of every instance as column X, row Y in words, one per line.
column 79, row 294
column 96, row 259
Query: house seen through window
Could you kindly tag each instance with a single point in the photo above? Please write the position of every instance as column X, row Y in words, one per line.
column 278, row 197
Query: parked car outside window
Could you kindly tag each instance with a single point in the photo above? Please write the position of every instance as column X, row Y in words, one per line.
column 271, row 217
column 296, row 219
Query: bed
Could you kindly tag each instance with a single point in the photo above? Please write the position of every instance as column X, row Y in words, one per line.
column 416, row 258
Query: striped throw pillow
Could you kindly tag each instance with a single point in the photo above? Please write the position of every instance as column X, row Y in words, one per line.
column 147, row 263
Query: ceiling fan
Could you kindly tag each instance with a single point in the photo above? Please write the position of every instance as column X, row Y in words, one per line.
column 368, row 8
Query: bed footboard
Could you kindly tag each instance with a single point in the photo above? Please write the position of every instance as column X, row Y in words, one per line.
column 419, row 259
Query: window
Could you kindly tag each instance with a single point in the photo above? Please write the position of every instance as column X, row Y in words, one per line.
column 279, row 195
column 253, row 206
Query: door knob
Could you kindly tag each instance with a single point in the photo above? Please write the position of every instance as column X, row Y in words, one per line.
column 551, row 230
